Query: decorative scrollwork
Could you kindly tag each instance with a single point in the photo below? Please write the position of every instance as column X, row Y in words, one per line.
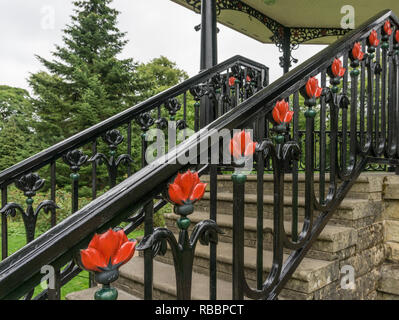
column 172, row 105
column 75, row 159
column 198, row 91
column 181, row 124
column 145, row 121
column 29, row 184
column 161, row 123
column 113, row 138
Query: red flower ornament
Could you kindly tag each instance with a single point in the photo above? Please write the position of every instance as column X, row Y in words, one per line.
column 248, row 79
column 106, row 253
column 387, row 28
column 373, row 39
column 312, row 88
column 397, row 36
column 241, row 145
column 281, row 112
column 357, row 53
column 185, row 190
column 232, row 81
column 337, row 70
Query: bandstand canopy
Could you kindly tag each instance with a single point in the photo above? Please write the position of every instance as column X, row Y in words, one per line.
column 308, row 21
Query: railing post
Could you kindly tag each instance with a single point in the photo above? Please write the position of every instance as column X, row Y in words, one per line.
column 238, row 234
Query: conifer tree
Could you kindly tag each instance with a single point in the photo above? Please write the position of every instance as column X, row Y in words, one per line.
column 85, row 83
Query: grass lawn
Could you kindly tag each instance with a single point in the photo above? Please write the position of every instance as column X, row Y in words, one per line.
column 17, row 239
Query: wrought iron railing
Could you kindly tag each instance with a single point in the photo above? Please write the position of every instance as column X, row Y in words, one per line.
column 363, row 91
column 225, row 85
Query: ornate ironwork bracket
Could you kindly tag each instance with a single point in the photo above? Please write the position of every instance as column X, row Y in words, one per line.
column 113, row 138
column 29, row 184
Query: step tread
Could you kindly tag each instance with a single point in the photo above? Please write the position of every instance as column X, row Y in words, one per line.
column 88, row 294
column 224, row 254
column 363, row 178
column 329, row 233
column 164, row 279
column 347, row 203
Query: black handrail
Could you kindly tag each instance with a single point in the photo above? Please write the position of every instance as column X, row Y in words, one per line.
column 54, row 152
column 19, row 272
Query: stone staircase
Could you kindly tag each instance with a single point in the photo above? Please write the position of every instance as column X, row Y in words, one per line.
column 354, row 236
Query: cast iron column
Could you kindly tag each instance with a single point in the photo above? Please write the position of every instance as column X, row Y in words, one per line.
column 286, row 50
column 208, row 53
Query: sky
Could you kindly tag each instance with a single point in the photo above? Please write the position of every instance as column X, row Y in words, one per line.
column 154, row 28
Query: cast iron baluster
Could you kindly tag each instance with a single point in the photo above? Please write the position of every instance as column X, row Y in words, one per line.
column 4, row 228
column 344, row 146
column 129, row 147
column 53, row 179
column 238, row 234
column 94, row 170
column 29, row 184
column 75, row 159
column 197, row 92
column 294, row 225
column 363, row 64
column 322, row 148
column 394, row 96
column 113, row 138
column 280, row 155
column 336, row 72
column 385, row 52
column 148, row 254
column 391, row 148
column 334, row 112
column 370, row 100
column 213, row 217
column 185, row 113
column 396, row 102
column 183, row 249
column 356, row 55
column 377, row 133
column 372, row 45
column 145, row 121
column 260, row 166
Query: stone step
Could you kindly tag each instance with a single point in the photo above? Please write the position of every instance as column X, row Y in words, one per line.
column 88, row 294
column 329, row 245
column 352, row 213
column 131, row 280
column 388, row 288
column 367, row 186
column 311, row 274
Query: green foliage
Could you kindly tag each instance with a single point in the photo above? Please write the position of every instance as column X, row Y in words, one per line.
column 86, row 82
column 17, row 137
